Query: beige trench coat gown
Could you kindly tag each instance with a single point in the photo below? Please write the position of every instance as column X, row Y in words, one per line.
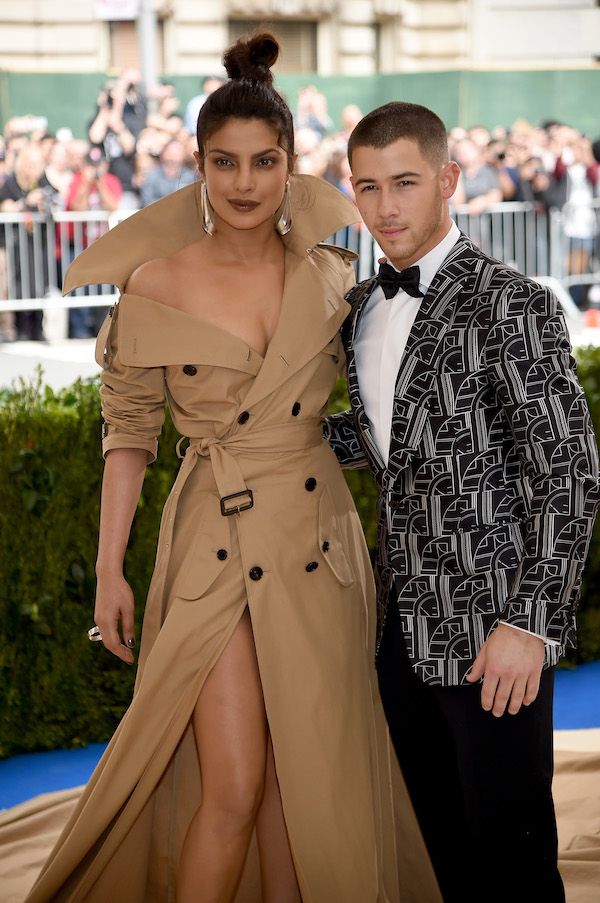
column 296, row 558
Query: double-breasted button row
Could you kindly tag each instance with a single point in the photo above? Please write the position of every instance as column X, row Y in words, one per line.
column 190, row 370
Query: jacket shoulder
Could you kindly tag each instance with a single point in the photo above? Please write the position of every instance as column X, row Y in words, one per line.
column 360, row 291
column 345, row 253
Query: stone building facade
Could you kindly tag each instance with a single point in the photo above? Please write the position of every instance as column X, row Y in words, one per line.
column 357, row 37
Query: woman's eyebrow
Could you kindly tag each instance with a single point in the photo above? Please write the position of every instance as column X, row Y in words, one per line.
column 226, row 153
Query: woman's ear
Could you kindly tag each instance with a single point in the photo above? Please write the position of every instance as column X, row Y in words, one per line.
column 292, row 164
column 199, row 163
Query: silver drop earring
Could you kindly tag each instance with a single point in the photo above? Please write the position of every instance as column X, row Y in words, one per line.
column 283, row 222
column 208, row 214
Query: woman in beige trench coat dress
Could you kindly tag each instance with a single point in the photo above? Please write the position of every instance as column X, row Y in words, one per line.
column 260, row 545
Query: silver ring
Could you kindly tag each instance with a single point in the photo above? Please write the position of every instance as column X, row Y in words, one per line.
column 94, row 634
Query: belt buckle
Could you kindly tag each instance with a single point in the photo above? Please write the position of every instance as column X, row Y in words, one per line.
column 235, row 509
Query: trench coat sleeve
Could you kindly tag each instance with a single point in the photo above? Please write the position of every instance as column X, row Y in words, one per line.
column 528, row 361
column 133, row 398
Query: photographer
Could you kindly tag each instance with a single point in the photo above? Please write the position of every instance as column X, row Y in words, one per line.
column 94, row 188
column 120, row 117
column 497, row 158
column 27, row 190
column 534, row 183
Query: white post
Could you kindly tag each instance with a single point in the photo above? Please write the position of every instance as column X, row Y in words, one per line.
column 146, row 22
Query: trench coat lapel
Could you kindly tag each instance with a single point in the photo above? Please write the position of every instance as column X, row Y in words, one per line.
column 311, row 312
column 417, row 371
column 310, row 319
column 168, row 225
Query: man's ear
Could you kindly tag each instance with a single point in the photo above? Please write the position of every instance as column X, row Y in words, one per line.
column 449, row 176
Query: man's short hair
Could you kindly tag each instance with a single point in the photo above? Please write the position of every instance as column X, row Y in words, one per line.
column 396, row 120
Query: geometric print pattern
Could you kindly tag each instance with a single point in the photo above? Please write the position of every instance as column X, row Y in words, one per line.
column 488, row 500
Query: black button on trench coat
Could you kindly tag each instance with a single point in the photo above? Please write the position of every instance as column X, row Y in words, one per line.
column 352, row 831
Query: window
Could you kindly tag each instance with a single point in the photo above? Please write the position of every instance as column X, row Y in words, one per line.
column 125, row 47
column 298, row 41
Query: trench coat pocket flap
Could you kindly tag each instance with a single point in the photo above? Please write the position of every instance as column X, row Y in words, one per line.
column 203, row 562
column 197, row 574
column 330, row 542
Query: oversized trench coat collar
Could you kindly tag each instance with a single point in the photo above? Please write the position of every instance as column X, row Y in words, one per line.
column 168, row 225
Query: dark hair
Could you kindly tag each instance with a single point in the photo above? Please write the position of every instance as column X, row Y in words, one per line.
column 249, row 93
column 397, row 120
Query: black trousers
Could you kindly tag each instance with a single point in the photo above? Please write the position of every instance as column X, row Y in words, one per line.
column 480, row 785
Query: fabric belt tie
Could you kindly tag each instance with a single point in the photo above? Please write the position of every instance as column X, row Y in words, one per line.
column 257, row 443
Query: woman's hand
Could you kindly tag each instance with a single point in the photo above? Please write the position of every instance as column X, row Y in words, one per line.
column 114, row 603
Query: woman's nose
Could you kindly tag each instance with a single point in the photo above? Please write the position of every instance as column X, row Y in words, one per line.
column 244, row 179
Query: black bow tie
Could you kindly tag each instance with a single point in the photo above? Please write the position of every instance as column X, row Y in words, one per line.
column 391, row 281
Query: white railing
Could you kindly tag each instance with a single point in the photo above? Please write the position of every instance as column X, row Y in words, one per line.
column 561, row 247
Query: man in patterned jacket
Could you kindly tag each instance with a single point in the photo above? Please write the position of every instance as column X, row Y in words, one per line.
column 467, row 408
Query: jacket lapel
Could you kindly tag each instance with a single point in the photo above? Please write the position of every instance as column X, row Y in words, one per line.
column 415, row 382
column 358, row 297
column 416, row 374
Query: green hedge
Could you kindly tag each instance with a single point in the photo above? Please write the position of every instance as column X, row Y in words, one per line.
column 56, row 688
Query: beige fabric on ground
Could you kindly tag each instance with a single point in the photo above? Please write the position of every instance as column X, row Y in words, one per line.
column 577, row 796
column 28, row 831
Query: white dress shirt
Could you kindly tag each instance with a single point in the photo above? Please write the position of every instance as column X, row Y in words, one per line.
column 379, row 344
column 381, row 338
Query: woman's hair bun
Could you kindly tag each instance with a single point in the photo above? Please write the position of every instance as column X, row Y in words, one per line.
column 252, row 58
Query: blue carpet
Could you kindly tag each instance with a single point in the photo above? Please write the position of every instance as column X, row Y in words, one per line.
column 576, row 706
column 577, row 698
column 22, row 777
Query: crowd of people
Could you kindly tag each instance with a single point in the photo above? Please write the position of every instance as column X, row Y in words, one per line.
column 140, row 147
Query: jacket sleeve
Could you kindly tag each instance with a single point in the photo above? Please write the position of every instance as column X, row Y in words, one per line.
column 339, row 429
column 528, row 360
column 342, row 435
column 133, row 398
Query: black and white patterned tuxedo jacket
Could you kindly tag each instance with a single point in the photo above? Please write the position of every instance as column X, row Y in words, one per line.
column 488, row 500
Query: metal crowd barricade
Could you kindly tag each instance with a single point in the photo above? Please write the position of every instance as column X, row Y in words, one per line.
column 516, row 233
column 37, row 248
column 575, row 243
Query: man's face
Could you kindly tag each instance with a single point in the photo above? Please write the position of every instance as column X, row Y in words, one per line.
column 402, row 197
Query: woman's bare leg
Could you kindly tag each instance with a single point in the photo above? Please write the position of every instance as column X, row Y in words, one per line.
column 230, row 728
column 278, row 876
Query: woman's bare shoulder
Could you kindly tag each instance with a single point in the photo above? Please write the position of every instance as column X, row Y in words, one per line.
column 157, row 278
column 162, row 278
column 151, row 280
